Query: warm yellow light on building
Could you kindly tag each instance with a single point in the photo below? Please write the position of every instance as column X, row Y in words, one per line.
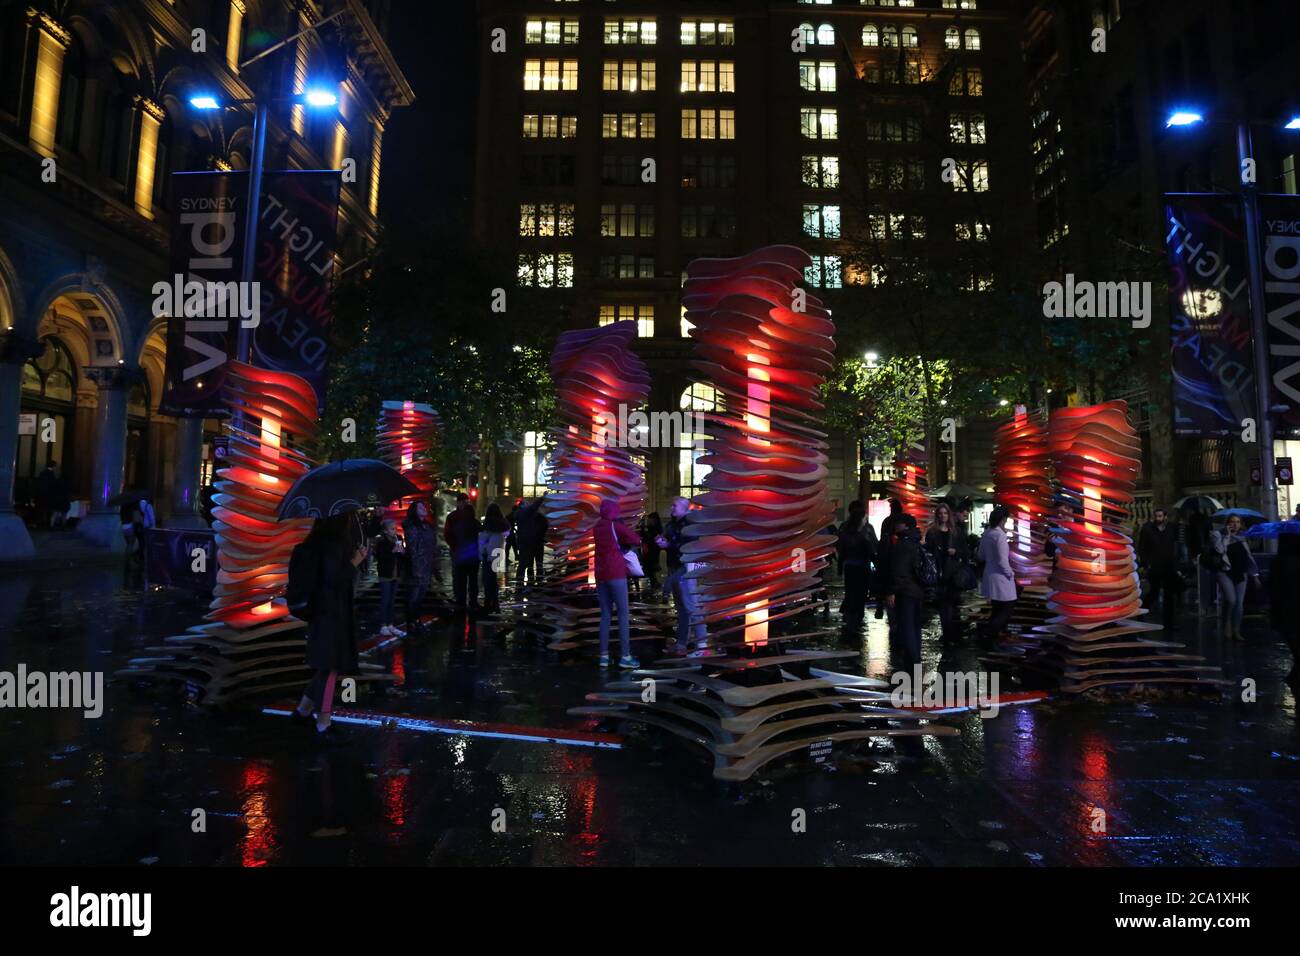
column 151, row 117
column 52, row 43
column 234, row 34
column 376, row 147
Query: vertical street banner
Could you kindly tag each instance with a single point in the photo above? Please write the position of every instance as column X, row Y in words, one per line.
column 295, row 265
column 1279, row 232
column 207, row 247
column 1209, row 305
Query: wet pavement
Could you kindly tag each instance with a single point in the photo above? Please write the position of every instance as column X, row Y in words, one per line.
column 1180, row 780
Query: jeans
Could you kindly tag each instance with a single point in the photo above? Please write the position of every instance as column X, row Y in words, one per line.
column 999, row 619
column 613, row 594
column 905, row 635
column 490, row 600
column 688, row 606
column 464, row 581
column 1167, row 584
column 415, row 590
column 387, row 590
column 1232, row 600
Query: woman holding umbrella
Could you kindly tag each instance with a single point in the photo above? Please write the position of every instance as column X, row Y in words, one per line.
column 1234, row 568
column 332, row 551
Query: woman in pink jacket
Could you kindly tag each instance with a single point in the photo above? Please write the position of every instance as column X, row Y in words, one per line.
column 612, row 539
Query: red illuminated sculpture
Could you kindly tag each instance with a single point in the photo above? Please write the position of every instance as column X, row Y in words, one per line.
column 406, row 437
column 765, row 346
column 1021, row 459
column 596, row 373
column 909, row 484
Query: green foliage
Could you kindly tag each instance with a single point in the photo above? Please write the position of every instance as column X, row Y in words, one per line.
column 416, row 323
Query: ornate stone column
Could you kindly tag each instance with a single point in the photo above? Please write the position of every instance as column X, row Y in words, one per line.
column 185, row 511
column 15, row 542
column 103, row 525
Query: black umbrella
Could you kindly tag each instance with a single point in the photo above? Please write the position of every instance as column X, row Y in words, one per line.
column 343, row 486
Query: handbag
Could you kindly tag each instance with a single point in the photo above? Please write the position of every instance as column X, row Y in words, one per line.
column 965, row 578
column 633, row 562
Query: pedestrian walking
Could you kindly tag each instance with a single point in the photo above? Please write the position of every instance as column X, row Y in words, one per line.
column 612, row 538
column 492, row 555
column 1234, row 568
column 461, row 534
column 1157, row 552
column 998, row 580
column 322, row 576
column 855, row 546
column 678, row 582
column 905, row 592
column 421, row 558
column 530, row 541
column 946, row 542
column 885, row 541
column 389, row 551
column 651, row 529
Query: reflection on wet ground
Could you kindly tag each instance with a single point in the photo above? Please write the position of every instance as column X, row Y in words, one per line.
column 1179, row 781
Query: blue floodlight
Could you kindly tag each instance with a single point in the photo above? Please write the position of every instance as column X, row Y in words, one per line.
column 1183, row 118
column 205, row 101
column 321, row 98
column 1293, row 124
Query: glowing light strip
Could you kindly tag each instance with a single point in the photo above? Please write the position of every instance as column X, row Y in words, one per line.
column 427, row 725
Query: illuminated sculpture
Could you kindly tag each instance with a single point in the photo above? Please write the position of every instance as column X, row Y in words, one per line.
column 406, row 437
column 1094, row 640
column 765, row 347
column 596, row 372
column 909, row 484
column 252, row 644
column 1021, row 458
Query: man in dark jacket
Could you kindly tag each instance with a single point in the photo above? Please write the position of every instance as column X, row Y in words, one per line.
column 461, row 534
column 530, row 542
column 1158, row 554
column 882, row 553
column 904, row 593
column 689, row 622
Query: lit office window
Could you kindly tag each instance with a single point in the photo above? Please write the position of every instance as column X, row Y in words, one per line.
column 972, row 176
column 534, row 456
column 821, row 172
column 708, row 76
column 627, row 125
column 545, row 220
column 972, row 231
column 870, row 35
column 643, row 315
column 708, row 124
column 819, row 123
column 708, row 33
column 909, row 37
column 631, row 31
column 964, row 128
column 821, row 222
column 959, row 4
column 825, row 272
column 825, row 35
column 972, row 38
column 546, row 270
column 817, row 75
column 550, row 74
column 629, row 76
column 628, row 220
column 551, row 32
column 550, row 126
column 966, row 82
column 952, row 39
column 889, row 35
column 690, row 472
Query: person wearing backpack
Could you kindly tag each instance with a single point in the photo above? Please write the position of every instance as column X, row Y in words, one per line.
column 905, row 589
column 947, row 545
column 612, row 538
column 998, row 581
column 322, row 576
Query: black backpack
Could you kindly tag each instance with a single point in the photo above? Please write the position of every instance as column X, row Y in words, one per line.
column 927, row 572
column 304, row 572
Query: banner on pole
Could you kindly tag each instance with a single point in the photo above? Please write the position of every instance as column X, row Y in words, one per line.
column 1209, row 304
column 1279, row 231
column 293, row 266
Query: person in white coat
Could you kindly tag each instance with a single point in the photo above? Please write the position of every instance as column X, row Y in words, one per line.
column 998, row 582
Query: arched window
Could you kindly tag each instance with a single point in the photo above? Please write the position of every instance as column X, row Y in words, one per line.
column 115, row 130
column 909, row 37
column 889, row 36
column 870, row 35
column 952, row 39
column 807, row 34
column 826, row 35
column 972, row 38
column 72, row 93
column 53, row 374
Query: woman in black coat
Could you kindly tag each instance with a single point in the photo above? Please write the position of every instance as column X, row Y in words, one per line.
column 947, row 542
column 331, row 554
column 1284, row 597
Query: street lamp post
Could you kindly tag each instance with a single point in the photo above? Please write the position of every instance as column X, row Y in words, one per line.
column 1258, row 315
